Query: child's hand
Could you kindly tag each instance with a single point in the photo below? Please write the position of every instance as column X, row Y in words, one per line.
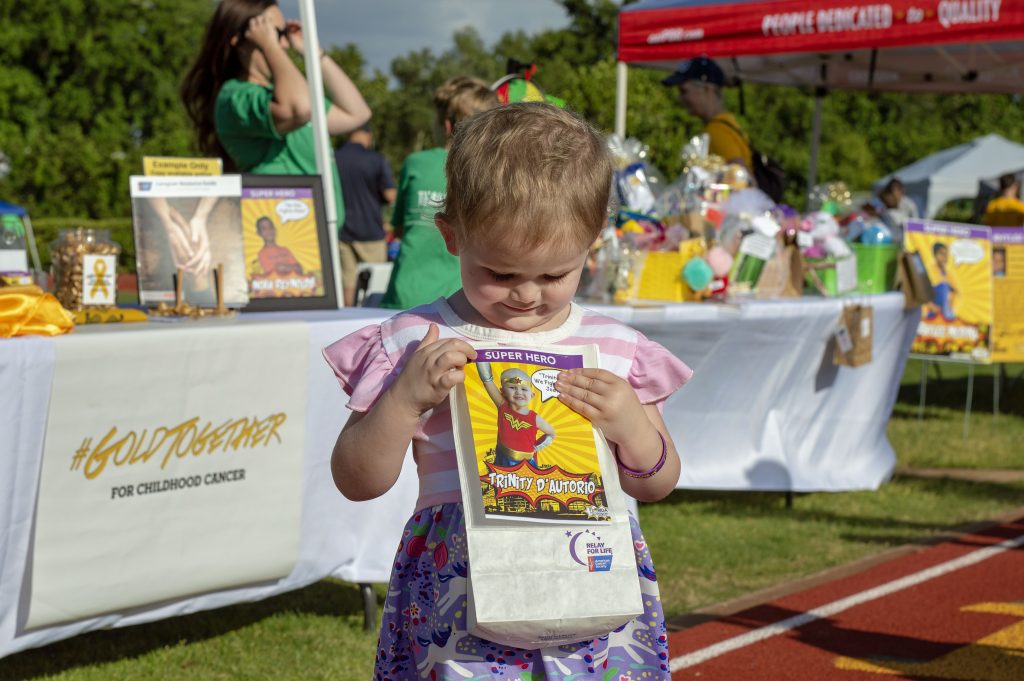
column 606, row 400
column 432, row 370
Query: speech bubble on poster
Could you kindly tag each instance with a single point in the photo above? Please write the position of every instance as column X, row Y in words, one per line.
column 544, row 381
column 967, row 252
column 292, row 209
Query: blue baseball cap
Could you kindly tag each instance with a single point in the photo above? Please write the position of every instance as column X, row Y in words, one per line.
column 701, row 68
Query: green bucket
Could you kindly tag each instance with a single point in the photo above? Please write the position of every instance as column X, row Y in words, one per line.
column 876, row 267
column 827, row 276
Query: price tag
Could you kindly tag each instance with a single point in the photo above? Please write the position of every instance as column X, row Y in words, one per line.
column 843, row 339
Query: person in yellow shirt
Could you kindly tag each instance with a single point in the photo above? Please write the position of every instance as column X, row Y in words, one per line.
column 700, row 82
column 1006, row 210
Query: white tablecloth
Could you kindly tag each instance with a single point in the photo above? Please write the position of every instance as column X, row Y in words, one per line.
column 766, row 410
column 354, row 541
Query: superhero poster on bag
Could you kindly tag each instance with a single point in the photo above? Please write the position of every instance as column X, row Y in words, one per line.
column 536, row 458
column 957, row 321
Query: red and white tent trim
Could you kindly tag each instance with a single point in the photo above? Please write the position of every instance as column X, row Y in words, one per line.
column 937, row 45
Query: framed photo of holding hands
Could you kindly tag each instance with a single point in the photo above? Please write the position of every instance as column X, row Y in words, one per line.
column 190, row 224
column 286, row 244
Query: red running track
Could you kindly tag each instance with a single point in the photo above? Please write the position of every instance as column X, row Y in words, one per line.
column 952, row 611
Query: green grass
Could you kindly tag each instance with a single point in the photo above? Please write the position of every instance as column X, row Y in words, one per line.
column 708, row 547
column 312, row 633
column 935, row 438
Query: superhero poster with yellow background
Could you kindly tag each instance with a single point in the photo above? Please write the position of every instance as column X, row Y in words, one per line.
column 536, row 458
column 1008, row 294
column 282, row 251
column 957, row 322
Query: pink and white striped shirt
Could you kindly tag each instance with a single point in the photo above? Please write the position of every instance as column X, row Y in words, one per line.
column 368, row 361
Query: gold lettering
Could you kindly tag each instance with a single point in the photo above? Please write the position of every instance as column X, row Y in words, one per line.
column 278, row 420
column 162, row 432
column 259, row 431
column 118, row 459
column 99, row 456
column 199, row 439
column 178, row 441
column 190, row 431
column 219, row 438
column 244, row 436
column 177, row 432
column 134, row 452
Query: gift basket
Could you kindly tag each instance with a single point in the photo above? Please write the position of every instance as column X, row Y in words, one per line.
column 662, row 244
column 712, row 235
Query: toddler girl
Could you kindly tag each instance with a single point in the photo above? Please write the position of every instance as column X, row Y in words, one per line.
column 528, row 190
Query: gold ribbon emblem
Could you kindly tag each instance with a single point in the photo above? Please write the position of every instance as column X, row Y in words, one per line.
column 99, row 273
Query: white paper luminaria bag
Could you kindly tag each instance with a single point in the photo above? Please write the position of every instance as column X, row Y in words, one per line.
column 551, row 557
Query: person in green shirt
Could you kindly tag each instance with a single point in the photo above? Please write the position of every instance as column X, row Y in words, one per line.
column 424, row 269
column 250, row 104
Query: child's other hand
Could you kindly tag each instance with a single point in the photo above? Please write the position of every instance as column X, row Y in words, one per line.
column 432, row 371
column 606, row 400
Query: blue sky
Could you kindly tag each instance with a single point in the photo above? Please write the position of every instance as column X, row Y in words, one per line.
column 385, row 29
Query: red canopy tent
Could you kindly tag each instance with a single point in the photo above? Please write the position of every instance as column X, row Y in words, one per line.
column 901, row 45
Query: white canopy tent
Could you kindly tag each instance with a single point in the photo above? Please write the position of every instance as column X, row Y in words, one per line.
column 955, row 173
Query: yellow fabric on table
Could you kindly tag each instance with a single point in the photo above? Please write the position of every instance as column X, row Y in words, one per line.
column 30, row 311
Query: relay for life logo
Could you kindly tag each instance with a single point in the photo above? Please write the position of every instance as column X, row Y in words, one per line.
column 586, row 548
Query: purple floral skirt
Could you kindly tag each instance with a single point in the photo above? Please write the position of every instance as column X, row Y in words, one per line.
column 423, row 634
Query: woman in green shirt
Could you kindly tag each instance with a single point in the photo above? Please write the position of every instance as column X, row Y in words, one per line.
column 250, row 104
column 424, row 269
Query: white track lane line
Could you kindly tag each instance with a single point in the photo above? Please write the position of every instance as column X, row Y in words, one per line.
column 766, row 632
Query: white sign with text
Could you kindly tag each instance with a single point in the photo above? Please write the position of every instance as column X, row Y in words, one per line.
column 188, row 482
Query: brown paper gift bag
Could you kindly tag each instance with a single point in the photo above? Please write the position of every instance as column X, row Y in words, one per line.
column 913, row 280
column 854, row 337
column 783, row 274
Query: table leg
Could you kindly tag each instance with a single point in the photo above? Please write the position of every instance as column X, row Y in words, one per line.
column 369, row 607
column 970, row 397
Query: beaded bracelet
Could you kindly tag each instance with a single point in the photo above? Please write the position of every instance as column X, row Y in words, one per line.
column 650, row 471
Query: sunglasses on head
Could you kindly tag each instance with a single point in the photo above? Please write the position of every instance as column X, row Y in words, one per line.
column 281, row 32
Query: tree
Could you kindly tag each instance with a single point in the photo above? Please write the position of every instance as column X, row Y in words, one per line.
column 87, row 89
column 404, row 117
